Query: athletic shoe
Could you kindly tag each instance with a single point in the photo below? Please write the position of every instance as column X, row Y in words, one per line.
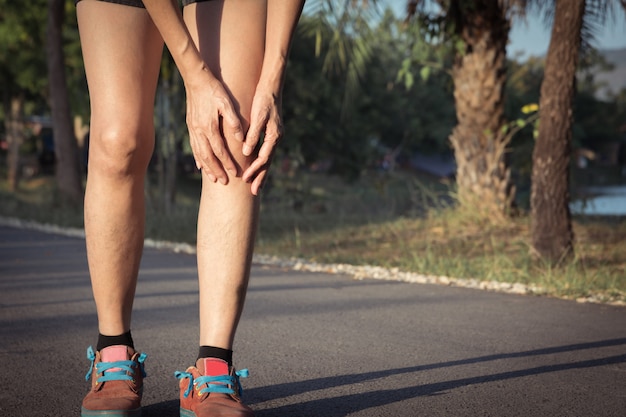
column 212, row 389
column 117, row 383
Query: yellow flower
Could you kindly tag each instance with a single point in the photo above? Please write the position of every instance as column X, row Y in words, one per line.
column 530, row 108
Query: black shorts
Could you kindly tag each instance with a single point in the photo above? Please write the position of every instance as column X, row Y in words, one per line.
column 139, row 3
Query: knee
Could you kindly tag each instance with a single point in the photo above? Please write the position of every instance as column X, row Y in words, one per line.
column 120, row 152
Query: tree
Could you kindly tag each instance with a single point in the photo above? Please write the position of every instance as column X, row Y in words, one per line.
column 24, row 79
column 551, row 227
column 22, row 72
column 382, row 116
column 478, row 32
column 66, row 149
column 552, row 235
column 479, row 74
column 15, row 129
column 170, row 107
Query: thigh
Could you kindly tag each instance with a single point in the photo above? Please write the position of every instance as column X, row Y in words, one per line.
column 122, row 52
column 230, row 35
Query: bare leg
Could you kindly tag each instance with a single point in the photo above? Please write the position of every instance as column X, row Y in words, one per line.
column 122, row 52
column 231, row 37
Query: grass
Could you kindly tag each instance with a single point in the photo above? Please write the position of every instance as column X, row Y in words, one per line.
column 447, row 242
column 398, row 221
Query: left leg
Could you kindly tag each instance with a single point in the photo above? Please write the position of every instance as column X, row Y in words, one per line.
column 231, row 38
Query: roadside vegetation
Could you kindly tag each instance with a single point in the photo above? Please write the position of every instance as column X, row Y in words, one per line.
column 394, row 220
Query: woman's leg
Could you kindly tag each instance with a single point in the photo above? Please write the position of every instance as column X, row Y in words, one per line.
column 231, row 38
column 122, row 52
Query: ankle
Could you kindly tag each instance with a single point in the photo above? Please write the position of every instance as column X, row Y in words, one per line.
column 215, row 352
column 125, row 339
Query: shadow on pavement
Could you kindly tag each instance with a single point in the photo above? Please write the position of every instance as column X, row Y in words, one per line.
column 346, row 404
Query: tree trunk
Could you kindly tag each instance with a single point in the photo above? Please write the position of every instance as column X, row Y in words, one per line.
column 552, row 235
column 14, row 125
column 68, row 173
column 479, row 73
column 167, row 153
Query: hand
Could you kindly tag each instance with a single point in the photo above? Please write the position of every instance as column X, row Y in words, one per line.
column 211, row 119
column 265, row 117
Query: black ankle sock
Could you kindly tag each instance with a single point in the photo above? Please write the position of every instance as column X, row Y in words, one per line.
column 123, row 339
column 215, row 352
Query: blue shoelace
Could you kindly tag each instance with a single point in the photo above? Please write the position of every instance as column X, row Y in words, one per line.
column 218, row 384
column 125, row 367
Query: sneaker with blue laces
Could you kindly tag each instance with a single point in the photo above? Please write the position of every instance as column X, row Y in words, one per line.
column 212, row 389
column 117, row 374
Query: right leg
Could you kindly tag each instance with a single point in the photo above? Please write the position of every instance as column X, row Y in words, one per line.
column 122, row 52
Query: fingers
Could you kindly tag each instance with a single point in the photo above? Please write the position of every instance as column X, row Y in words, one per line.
column 211, row 137
column 256, row 177
column 257, row 171
column 258, row 182
column 265, row 119
column 219, row 149
column 232, row 123
column 254, row 134
column 209, row 141
column 205, row 160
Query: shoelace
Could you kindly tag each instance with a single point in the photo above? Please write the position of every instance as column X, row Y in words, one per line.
column 217, row 384
column 125, row 367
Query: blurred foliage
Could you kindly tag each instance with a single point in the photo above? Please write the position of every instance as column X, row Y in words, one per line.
column 384, row 116
column 23, row 67
column 22, row 57
column 361, row 85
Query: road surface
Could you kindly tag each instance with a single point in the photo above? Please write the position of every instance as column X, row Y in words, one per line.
column 315, row 344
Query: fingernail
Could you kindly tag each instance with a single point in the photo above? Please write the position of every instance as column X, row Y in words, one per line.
column 223, row 181
column 247, row 150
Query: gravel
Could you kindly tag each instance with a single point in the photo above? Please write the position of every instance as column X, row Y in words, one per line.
column 358, row 272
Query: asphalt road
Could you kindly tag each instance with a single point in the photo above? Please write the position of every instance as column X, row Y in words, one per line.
column 316, row 345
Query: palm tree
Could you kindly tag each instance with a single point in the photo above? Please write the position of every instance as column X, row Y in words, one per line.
column 551, row 229
column 479, row 76
column 552, row 235
column 343, row 26
column 479, row 31
column 478, row 71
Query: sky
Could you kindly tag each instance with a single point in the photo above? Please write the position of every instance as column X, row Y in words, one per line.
column 532, row 37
